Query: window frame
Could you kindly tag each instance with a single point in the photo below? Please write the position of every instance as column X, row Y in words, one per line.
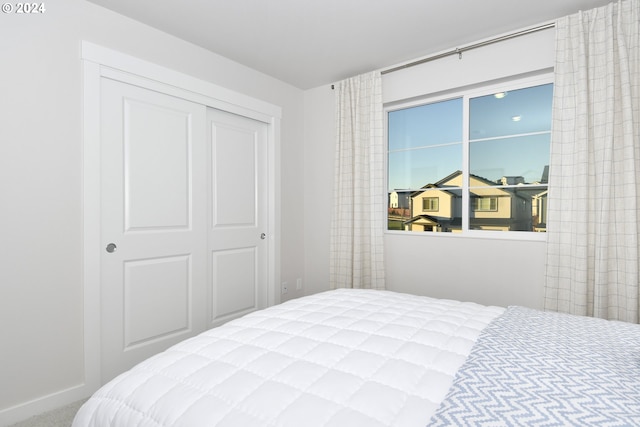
column 487, row 88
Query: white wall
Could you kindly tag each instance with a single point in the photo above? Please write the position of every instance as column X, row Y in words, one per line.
column 488, row 271
column 41, row 311
column 319, row 152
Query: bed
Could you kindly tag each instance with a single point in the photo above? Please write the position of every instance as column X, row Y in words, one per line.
column 378, row 358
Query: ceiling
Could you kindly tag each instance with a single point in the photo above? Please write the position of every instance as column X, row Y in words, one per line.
column 309, row 43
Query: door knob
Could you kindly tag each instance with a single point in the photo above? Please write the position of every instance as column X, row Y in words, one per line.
column 263, row 236
column 111, row 248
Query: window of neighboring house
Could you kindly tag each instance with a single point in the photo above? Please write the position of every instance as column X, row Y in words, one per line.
column 430, row 204
column 485, row 204
column 483, row 155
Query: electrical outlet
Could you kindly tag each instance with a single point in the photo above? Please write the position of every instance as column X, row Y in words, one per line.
column 298, row 284
column 285, row 287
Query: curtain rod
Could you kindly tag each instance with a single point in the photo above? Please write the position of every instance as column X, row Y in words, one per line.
column 459, row 50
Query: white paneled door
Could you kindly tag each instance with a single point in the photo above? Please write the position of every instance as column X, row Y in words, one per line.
column 181, row 221
column 238, row 215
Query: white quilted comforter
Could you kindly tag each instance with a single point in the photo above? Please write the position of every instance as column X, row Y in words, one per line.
column 339, row 358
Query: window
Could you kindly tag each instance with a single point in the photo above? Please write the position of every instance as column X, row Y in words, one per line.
column 474, row 162
column 430, row 204
column 485, row 204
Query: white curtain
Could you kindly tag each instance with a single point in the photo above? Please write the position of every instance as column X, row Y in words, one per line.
column 357, row 224
column 594, row 183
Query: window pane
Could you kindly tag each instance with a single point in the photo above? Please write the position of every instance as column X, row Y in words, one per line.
column 416, row 168
column 511, row 113
column 511, row 161
column 509, row 139
column 426, row 125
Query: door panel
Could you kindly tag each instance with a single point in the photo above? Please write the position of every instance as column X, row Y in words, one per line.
column 157, row 166
column 234, row 273
column 238, row 215
column 235, row 188
column 153, row 182
column 161, row 283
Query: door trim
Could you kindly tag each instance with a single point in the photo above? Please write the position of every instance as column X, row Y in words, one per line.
column 99, row 62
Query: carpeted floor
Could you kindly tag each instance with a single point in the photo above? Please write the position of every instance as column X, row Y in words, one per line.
column 61, row 417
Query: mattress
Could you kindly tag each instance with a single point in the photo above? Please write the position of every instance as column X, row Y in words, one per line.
column 339, row 358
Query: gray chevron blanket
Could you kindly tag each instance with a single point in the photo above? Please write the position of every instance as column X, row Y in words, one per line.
column 534, row 368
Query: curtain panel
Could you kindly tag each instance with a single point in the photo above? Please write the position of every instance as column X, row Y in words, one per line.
column 358, row 218
column 594, row 185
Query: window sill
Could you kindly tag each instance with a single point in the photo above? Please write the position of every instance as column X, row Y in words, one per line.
column 525, row 236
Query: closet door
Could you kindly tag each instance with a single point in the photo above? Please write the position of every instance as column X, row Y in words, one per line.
column 238, row 215
column 154, row 182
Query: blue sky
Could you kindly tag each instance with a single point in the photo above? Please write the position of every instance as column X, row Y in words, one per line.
column 425, row 142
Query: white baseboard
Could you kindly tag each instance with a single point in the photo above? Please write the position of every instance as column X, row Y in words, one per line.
column 22, row 411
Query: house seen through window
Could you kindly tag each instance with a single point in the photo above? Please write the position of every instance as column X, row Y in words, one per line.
column 474, row 161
